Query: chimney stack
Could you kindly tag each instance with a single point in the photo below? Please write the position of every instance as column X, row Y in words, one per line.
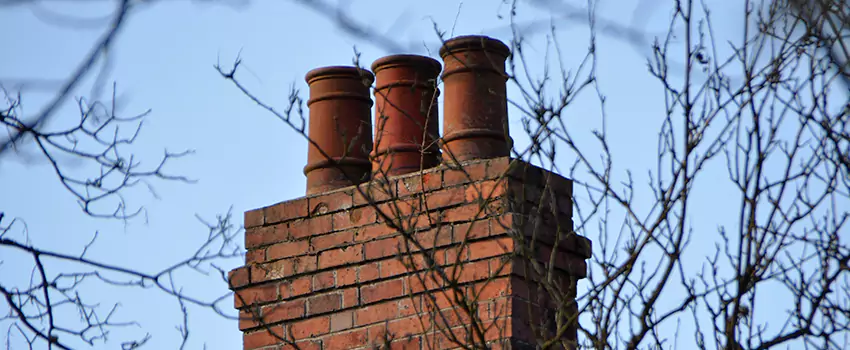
column 340, row 128
column 344, row 267
column 406, row 125
column 475, row 103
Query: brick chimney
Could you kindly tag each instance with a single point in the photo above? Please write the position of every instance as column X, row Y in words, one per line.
column 417, row 253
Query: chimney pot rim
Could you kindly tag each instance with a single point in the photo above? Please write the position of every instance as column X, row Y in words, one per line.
column 417, row 61
column 338, row 71
column 474, row 43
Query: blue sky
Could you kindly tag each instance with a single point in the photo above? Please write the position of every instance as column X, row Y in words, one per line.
column 244, row 157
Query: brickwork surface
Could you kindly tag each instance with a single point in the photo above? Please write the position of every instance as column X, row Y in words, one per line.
column 404, row 263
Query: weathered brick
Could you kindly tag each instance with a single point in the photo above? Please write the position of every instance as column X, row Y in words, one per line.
column 297, row 287
column 347, row 340
column 354, row 218
column 392, row 267
column 324, row 280
column 287, row 249
column 256, row 294
column 267, row 336
column 257, row 255
column 408, row 326
column 330, row 202
column 381, row 248
column 301, row 345
column 376, row 313
column 382, row 291
column 369, row 272
column 284, row 211
column 310, row 328
column 319, row 243
column 259, row 236
column 350, row 297
column 346, row 276
column 238, row 277
column 434, row 237
column 310, row 226
column 409, row 306
column 375, row 231
column 341, row 256
column 470, row 231
column 375, row 192
column 420, row 183
column 445, row 198
column 465, row 174
column 342, row 321
column 399, row 208
column 254, row 218
column 324, row 303
column 490, row 248
column 286, row 310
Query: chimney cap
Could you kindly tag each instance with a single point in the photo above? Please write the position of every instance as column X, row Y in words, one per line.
column 424, row 62
column 339, row 71
column 474, row 42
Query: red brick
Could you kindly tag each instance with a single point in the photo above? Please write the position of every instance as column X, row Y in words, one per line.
column 268, row 336
column 256, row 294
column 408, row 343
column 286, row 250
column 376, row 313
column 310, row 226
column 420, row 183
column 300, row 264
column 435, row 237
column 369, row 272
column 382, row 248
column 324, row 303
column 409, row 306
column 354, row 218
column 346, row 276
column 324, row 280
column 473, row 271
column 382, row 291
column 466, row 174
column 341, row 256
column 310, row 328
column 259, row 236
column 248, row 318
column 331, row 202
column 393, row 267
column 470, row 230
column 408, row 326
column 257, row 255
column 467, row 212
column 350, row 297
column 254, row 218
column 399, row 208
column 302, row 345
column 485, row 191
column 286, row 211
column 342, row 321
column 375, row 231
column 297, row 287
column 347, row 340
column 319, row 243
column 286, row 310
column 238, row 277
column 491, row 247
column 375, row 191
column 445, row 198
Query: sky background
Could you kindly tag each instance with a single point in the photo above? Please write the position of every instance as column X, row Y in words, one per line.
column 244, row 157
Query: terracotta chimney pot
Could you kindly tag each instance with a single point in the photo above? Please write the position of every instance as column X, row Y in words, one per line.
column 406, row 124
column 340, row 128
column 475, row 103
